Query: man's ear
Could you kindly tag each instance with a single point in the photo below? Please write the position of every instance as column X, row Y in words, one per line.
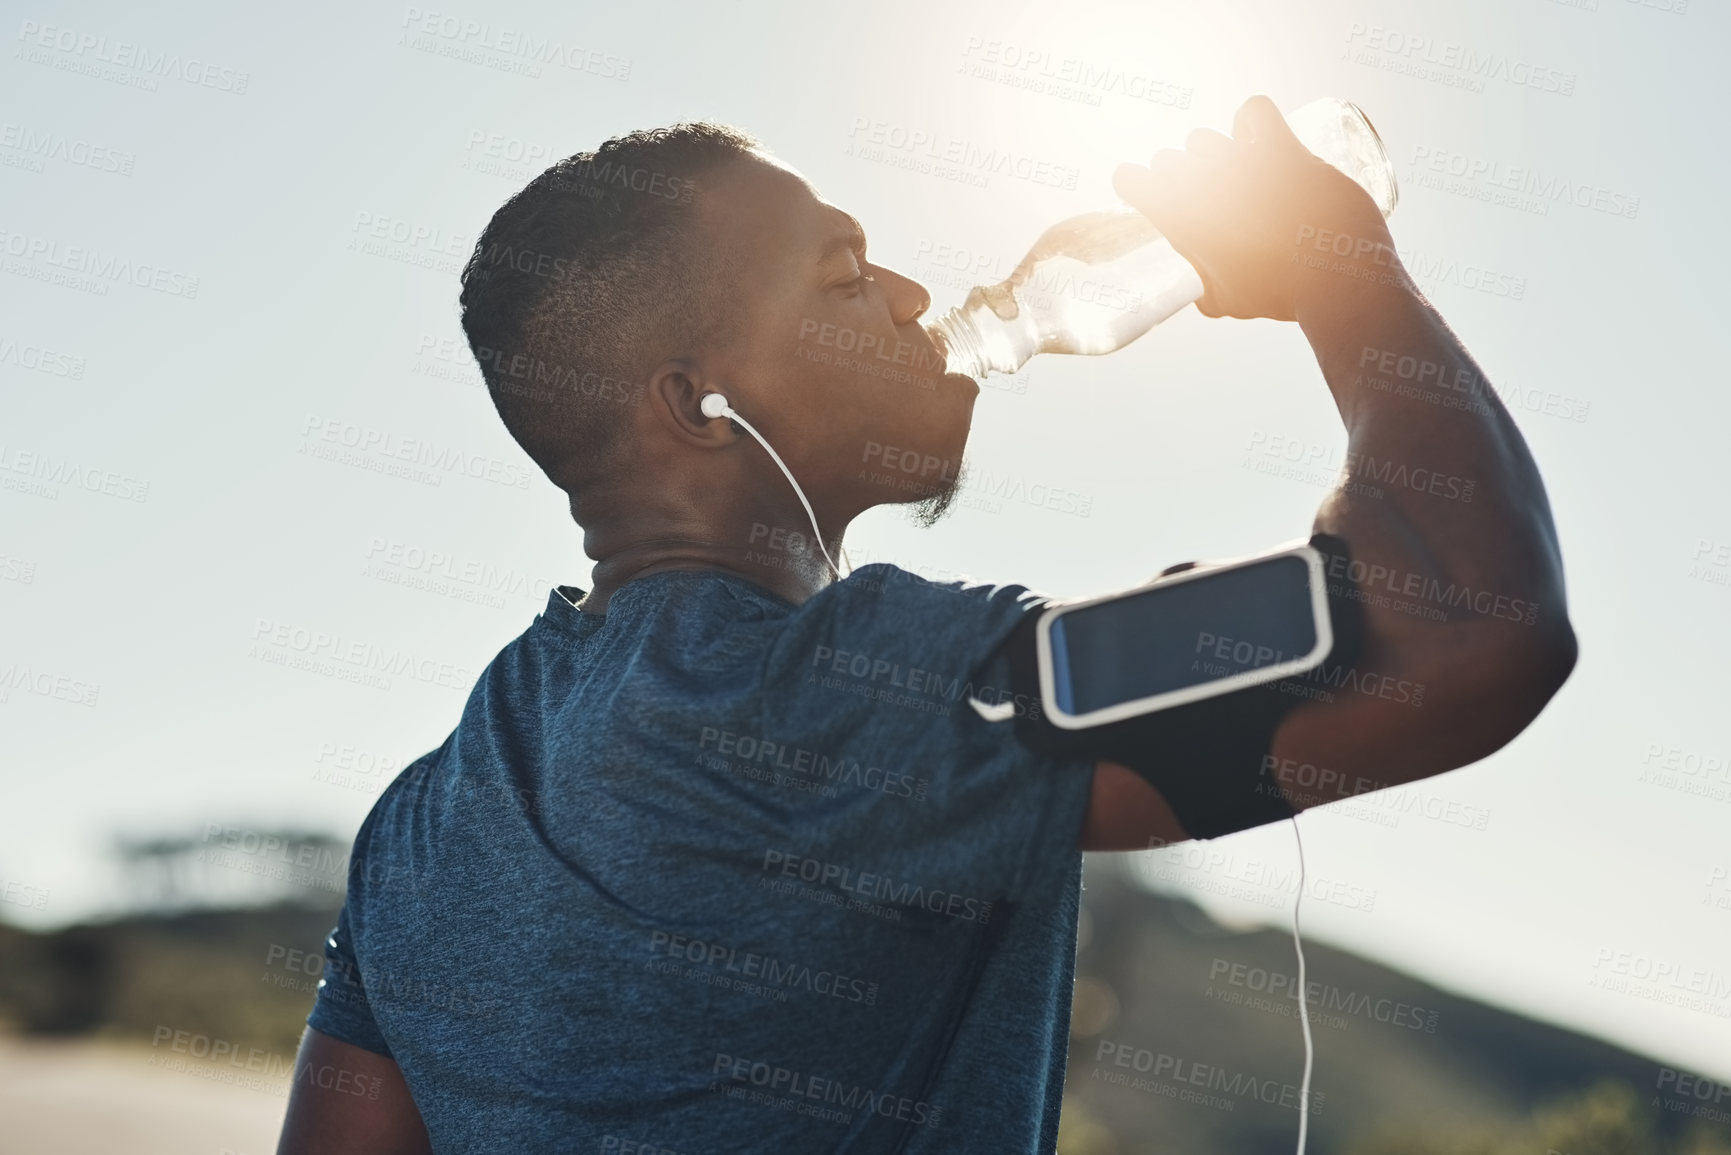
column 675, row 395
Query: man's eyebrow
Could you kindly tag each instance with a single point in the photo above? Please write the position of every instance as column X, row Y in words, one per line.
column 854, row 238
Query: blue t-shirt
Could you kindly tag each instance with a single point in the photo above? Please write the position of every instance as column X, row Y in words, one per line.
column 713, row 872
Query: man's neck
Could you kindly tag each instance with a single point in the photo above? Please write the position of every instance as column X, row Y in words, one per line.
column 749, row 528
column 792, row 575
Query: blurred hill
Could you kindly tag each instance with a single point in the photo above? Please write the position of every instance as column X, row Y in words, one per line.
column 220, row 973
column 1185, row 1036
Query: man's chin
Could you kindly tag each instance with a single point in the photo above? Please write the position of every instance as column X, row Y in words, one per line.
column 931, row 509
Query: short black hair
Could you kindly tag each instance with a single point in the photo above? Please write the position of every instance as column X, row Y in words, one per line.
column 586, row 279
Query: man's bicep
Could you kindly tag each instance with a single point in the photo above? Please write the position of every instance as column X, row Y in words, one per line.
column 1126, row 812
column 347, row 1100
column 1421, row 699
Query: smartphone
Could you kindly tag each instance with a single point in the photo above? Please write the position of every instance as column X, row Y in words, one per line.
column 1209, row 630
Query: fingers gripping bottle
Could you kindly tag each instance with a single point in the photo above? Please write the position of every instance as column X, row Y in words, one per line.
column 1138, row 278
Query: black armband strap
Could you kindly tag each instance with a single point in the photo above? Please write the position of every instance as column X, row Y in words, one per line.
column 1206, row 758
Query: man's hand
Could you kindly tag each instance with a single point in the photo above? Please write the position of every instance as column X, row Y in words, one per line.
column 1246, row 212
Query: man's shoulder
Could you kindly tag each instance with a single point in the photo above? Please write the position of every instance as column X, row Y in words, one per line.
column 882, row 615
column 935, row 587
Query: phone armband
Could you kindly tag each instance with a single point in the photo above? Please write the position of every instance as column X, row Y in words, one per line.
column 1202, row 744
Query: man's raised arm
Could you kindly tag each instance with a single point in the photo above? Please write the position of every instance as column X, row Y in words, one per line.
column 1454, row 554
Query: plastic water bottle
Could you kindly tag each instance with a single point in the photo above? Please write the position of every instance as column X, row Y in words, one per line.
column 1096, row 282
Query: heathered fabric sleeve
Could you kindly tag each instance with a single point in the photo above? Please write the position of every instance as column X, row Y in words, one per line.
column 341, row 1009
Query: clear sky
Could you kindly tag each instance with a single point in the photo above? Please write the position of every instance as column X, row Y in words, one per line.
column 230, row 241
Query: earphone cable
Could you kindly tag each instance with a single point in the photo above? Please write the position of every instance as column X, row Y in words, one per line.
column 1303, row 1012
column 800, row 493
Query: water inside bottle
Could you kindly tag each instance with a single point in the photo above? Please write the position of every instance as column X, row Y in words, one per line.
column 1091, row 284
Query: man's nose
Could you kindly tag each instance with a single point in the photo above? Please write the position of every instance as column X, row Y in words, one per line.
column 908, row 299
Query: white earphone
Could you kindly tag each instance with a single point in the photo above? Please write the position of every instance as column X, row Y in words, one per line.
column 715, row 405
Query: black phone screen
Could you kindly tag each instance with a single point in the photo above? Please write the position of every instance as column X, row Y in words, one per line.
column 1182, row 634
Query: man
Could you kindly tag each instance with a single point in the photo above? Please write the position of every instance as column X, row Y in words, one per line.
column 716, row 859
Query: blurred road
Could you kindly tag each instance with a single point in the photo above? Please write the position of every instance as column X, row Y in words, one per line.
column 85, row 1098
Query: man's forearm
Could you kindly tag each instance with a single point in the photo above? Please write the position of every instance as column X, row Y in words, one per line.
column 1439, row 480
column 1454, row 555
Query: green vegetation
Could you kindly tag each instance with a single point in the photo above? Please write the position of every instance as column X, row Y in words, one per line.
column 1607, row 1119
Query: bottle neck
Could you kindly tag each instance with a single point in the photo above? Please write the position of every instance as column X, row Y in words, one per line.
column 958, row 339
column 976, row 341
